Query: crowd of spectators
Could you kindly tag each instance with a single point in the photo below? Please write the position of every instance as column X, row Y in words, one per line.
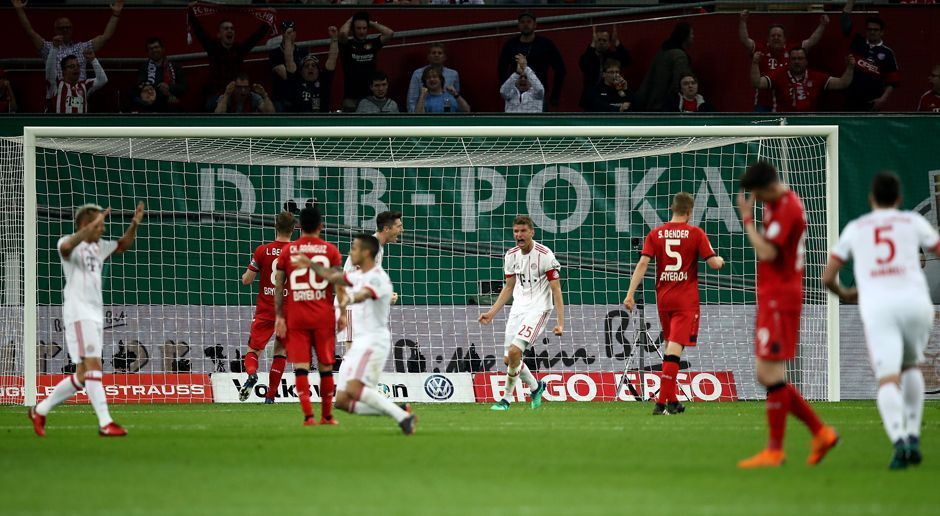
column 530, row 68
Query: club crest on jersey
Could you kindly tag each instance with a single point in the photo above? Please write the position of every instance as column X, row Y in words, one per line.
column 533, row 266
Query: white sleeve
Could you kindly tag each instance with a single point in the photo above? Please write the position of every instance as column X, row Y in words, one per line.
column 107, row 248
column 348, row 265
column 100, row 79
column 51, row 80
column 538, row 90
column 552, row 264
column 72, row 257
column 843, row 248
column 508, row 265
column 927, row 236
column 379, row 285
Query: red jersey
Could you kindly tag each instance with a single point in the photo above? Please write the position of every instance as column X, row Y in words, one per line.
column 310, row 303
column 780, row 282
column 677, row 247
column 929, row 101
column 264, row 261
column 771, row 60
column 797, row 93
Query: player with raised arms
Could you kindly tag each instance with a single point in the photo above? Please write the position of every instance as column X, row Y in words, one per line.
column 370, row 287
column 264, row 260
column 388, row 228
column 895, row 305
column 82, row 255
column 306, row 318
column 677, row 248
column 780, row 250
column 533, row 281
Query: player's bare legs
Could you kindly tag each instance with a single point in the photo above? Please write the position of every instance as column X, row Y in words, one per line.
column 513, row 361
column 87, row 375
column 327, row 390
column 358, row 398
column 668, row 402
column 782, row 399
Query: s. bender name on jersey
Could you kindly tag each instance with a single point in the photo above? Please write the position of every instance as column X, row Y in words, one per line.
column 673, row 233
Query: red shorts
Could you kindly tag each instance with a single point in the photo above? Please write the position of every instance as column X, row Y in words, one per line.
column 300, row 342
column 778, row 332
column 260, row 335
column 680, row 326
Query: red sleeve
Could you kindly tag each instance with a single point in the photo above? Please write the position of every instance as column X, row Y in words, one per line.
column 649, row 245
column 336, row 260
column 705, row 249
column 283, row 259
column 255, row 263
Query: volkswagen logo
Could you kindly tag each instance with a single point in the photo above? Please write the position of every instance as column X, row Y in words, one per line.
column 438, row 387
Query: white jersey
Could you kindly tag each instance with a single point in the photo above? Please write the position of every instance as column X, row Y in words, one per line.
column 533, row 271
column 372, row 316
column 884, row 246
column 82, row 299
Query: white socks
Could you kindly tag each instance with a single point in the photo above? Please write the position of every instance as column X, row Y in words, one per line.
column 512, row 374
column 62, row 392
column 528, row 378
column 912, row 387
column 891, row 407
column 372, row 398
column 362, row 409
column 97, row 397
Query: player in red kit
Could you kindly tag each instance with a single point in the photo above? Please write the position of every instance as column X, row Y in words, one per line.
column 780, row 249
column 677, row 248
column 306, row 318
column 264, row 261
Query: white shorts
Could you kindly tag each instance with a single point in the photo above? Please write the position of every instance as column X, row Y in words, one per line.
column 362, row 362
column 523, row 328
column 84, row 339
column 897, row 336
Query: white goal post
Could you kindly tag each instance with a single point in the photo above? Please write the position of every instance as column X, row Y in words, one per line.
column 326, row 152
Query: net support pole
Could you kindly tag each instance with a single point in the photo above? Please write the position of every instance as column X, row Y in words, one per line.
column 833, row 384
column 29, row 268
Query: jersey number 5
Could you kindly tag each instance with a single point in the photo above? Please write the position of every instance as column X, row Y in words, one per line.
column 882, row 239
column 673, row 254
column 296, row 283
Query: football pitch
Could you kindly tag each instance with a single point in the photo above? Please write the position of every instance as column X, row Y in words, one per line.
column 565, row 459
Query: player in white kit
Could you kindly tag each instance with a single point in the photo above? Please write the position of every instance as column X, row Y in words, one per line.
column 533, row 281
column 370, row 287
column 388, row 228
column 82, row 255
column 895, row 305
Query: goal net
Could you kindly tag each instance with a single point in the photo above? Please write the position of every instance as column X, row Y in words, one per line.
column 177, row 316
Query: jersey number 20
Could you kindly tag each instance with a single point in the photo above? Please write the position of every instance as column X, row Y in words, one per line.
column 312, row 282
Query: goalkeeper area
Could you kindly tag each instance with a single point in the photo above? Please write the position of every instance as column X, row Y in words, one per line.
column 563, row 459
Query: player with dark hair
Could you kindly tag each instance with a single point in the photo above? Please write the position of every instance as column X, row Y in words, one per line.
column 677, row 247
column 780, row 249
column 264, row 260
column 307, row 319
column 894, row 302
column 370, row 287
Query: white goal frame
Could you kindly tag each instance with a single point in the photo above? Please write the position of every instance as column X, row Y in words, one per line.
column 31, row 133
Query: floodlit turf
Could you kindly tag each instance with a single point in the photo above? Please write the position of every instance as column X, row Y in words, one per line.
column 565, row 458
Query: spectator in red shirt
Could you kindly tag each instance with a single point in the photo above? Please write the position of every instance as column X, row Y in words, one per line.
column 774, row 53
column 930, row 101
column 690, row 101
column 796, row 87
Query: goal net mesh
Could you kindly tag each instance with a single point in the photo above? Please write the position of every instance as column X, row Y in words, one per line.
column 176, row 311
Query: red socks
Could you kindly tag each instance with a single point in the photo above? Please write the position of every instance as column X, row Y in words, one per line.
column 274, row 377
column 303, row 391
column 667, row 387
column 327, row 388
column 778, row 405
column 251, row 362
column 803, row 411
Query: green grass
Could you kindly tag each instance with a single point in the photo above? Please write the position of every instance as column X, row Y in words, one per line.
column 566, row 458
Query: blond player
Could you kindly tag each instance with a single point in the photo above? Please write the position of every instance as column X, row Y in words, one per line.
column 82, row 255
column 370, row 287
column 533, row 281
column 894, row 302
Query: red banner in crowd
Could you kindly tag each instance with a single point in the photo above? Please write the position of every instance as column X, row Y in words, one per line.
column 122, row 388
column 601, row 386
column 214, row 13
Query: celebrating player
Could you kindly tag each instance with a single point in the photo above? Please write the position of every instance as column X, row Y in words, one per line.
column 779, row 249
column 363, row 362
column 533, row 280
column 894, row 302
column 307, row 320
column 264, row 261
column 389, row 227
column 82, row 255
column 677, row 247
